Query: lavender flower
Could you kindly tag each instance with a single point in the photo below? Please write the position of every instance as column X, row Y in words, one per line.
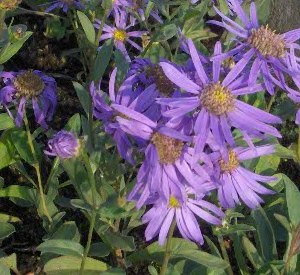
column 141, row 102
column 268, row 50
column 183, row 211
column 168, row 158
column 65, row 5
column 64, row 145
column 21, row 87
column 215, row 104
column 120, row 33
column 237, row 183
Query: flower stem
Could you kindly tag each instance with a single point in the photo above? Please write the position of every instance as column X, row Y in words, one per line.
column 94, row 211
column 225, row 255
column 168, row 251
column 89, row 241
column 99, row 33
column 2, row 23
column 36, row 166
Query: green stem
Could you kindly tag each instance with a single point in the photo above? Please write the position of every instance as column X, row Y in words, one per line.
column 2, row 23
column 270, row 104
column 94, row 212
column 89, row 241
column 36, row 166
column 225, row 255
column 168, row 251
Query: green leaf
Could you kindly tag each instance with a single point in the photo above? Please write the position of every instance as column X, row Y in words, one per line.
column 19, row 192
column 6, row 122
column 252, row 253
column 102, row 60
column 83, row 96
column 118, row 241
column 87, row 26
column 122, row 65
column 267, row 165
column 265, row 234
column 10, row 262
column 19, row 138
column 283, row 221
column 166, row 33
column 234, row 228
column 61, row 247
column 74, row 124
column 7, row 150
column 67, row 231
column 69, row 265
column 11, row 49
column 202, row 258
column 99, row 250
column 293, row 201
column 6, row 229
column 8, row 218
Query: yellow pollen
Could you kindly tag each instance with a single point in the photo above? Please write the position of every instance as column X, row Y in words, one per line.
column 231, row 164
column 163, row 84
column 173, row 202
column 267, row 42
column 217, row 99
column 120, row 35
column 28, row 84
column 168, row 149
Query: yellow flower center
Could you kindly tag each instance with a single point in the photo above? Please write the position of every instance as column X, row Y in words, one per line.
column 173, row 202
column 163, row 84
column 120, row 35
column 168, row 149
column 217, row 99
column 28, row 84
column 267, row 42
column 231, row 164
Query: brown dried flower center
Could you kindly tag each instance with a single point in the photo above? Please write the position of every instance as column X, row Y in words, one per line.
column 168, row 149
column 164, row 85
column 29, row 84
column 217, row 99
column 267, row 42
column 9, row 4
column 231, row 164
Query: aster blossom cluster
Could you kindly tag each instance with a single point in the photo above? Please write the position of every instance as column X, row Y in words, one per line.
column 174, row 120
column 184, row 119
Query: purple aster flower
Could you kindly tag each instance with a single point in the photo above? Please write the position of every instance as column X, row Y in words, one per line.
column 120, row 34
column 214, row 102
column 32, row 85
column 168, row 158
column 141, row 102
column 64, row 145
column 183, row 211
column 236, row 182
column 65, row 5
column 268, row 51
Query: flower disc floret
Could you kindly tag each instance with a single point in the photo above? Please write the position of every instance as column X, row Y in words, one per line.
column 267, row 42
column 120, row 35
column 227, row 166
column 217, row 99
column 168, row 149
column 29, row 84
column 173, row 202
column 163, row 84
